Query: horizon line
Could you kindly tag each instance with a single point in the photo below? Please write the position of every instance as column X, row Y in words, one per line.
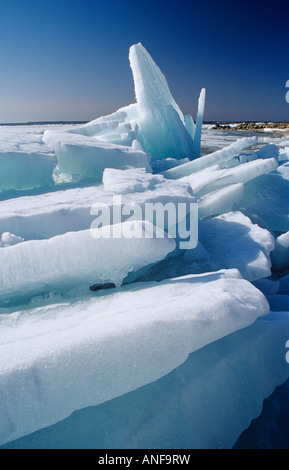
column 42, row 122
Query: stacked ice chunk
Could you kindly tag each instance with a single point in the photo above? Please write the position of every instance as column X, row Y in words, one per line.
column 151, row 129
column 25, row 161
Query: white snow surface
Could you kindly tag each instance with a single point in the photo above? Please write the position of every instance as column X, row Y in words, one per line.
column 70, row 209
column 79, row 258
column 73, row 355
column 25, row 161
column 235, row 242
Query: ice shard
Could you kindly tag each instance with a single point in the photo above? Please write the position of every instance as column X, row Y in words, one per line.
column 190, row 125
column 199, row 124
column 161, row 125
column 215, row 158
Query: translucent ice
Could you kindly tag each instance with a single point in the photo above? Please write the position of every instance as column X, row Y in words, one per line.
column 199, row 124
column 220, row 156
column 82, row 157
column 220, row 201
column 267, row 197
column 240, row 173
column 25, row 162
column 69, row 356
column 190, row 408
column 267, row 151
column 161, row 124
column 154, row 123
column 280, row 256
column 78, row 258
column 73, row 343
column 50, row 214
column 235, row 242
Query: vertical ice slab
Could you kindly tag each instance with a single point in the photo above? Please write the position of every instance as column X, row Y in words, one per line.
column 162, row 130
column 190, row 125
column 199, row 124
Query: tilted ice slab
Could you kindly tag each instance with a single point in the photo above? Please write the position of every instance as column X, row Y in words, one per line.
column 137, row 180
column 267, row 197
column 220, row 201
column 79, row 258
column 202, row 178
column 161, row 124
column 199, row 124
column 280, row 256
column 130, row 181
column 284, row 155
column 25, row 161
column 161, row 165
column 183, row 410
column 235, row 242
column 119, row 127
column 215, row 158
column 57, row 359
column 83, row 157
column 154, row 123
column 267, row 151
column 214, row 177
column 50, row 214
column 239, row 174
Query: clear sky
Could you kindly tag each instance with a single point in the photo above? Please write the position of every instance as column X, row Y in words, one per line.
column 68, row 59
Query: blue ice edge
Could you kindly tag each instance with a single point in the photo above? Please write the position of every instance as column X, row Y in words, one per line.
column 205, row 403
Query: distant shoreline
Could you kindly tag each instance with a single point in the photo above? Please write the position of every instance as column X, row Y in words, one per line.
column 217, row 125
column 253, row 126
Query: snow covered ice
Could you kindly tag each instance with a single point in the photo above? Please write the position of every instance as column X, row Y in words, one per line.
column 94, row 356
column 77, row 258
column 157, row 346
column 26, row 162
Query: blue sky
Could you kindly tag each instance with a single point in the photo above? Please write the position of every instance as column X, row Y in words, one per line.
column 68, row 59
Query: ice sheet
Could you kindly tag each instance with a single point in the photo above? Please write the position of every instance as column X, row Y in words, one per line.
column 76, row 259
column 69, row 356
column 215, row 158
column 235, row 242
column 280, row 256
column 50, row 214
column 220, row 201
column 25, row 161
column 267, row 197
column 82, row 157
